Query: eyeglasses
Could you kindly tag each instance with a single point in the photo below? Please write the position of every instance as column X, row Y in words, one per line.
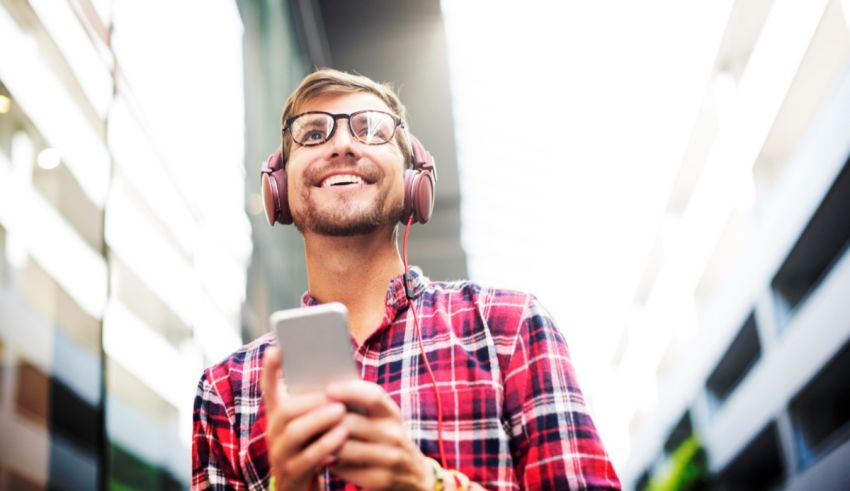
column 369, row 126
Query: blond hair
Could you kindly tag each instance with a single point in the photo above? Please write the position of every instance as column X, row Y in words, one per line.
column 330, row 81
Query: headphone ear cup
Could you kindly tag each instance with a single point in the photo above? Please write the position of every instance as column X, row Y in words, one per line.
column 418, row 195
column 275, row 199
column 269, row 190
column 284, row 215
column 409, row 177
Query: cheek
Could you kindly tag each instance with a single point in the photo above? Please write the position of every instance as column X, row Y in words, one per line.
column 295, row 188
column 295, row 170
column 398, row 180
column 397, row 195
column 399, row 167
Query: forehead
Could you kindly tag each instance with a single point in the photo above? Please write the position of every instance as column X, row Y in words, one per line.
column 344, row 103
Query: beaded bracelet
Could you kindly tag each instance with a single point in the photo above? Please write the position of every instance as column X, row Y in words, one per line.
column 272, row 486
column 439, row 485
column 461, row 480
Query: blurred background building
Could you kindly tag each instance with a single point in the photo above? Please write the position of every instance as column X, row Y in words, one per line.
column 734, row 359
column 123, row 237
column 696, row 259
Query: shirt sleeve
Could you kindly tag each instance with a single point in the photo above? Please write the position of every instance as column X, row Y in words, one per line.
column 554, row 443
column 213, row 441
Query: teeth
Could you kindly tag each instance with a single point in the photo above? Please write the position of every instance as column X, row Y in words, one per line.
column 341, row 179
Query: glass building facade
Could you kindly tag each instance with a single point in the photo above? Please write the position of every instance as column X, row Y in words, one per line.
column 125, row 243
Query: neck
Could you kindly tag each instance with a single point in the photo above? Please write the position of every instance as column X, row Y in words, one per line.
column 356, row 272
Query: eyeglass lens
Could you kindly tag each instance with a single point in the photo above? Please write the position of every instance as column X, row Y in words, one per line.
column 370, row 127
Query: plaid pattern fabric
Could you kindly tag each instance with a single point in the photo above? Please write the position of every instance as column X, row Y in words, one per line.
column 513, row 414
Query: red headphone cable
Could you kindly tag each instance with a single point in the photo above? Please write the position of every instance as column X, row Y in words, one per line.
column 409, row 293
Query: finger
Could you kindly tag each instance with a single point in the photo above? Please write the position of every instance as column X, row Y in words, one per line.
column 378, row 430
column 302, row 429
column 290, row 407
column 314, row 454
column 366, row 454
column 270, row 377
column 365, row 477
column 365, row 395
column 295, row 405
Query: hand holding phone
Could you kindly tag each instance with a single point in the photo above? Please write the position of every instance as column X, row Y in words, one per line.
column 317, row 350
column 303, row 431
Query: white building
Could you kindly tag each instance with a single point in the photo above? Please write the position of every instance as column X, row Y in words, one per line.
column 738, row 332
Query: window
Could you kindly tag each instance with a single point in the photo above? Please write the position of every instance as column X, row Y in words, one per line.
column 758, row 466
column 4, row 267
column 819, row 247
column 136, row 295
column 62, row 190
column 643, row 480
column 683, row 429
column 141, row 438
column 3, row 370
column 74, row 439
column 735, row 364
column 20, row 483
column 820, row 412
column 32, row 393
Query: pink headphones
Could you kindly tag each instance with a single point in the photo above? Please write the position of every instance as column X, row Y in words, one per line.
column 419, row 184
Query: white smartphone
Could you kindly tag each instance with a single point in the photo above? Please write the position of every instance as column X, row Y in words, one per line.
column 316, row 346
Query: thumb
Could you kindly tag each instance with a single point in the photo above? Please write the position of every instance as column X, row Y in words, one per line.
column 271, row 376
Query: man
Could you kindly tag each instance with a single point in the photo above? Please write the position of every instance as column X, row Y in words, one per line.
column 503, row 385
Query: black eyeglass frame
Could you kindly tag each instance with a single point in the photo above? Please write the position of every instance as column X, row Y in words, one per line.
column 399, row 123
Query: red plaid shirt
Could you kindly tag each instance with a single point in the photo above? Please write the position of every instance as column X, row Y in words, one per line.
column 513, row 414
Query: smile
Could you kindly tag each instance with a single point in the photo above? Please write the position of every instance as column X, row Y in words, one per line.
column 341, row 180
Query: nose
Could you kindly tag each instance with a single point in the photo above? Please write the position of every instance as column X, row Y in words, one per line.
column 343, row 143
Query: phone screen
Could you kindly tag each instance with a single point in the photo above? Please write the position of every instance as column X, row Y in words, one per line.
column 315, row 345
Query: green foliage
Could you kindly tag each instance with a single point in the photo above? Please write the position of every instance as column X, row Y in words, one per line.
column 118, row 486
column 130, row 472
column 687, row 469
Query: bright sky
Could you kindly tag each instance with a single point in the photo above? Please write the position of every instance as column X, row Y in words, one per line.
column 572, row 119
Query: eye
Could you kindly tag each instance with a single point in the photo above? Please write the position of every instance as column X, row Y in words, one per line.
column 313, row 136
column 311, row 129
column 373, row 127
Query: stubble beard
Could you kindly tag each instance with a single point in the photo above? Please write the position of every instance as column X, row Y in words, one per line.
column 344, row 222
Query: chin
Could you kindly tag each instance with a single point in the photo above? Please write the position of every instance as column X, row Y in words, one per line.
column 361, row 225
column 336, row 226
column 352, row 224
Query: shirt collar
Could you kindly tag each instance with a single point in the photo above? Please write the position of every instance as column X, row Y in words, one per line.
column 396, row 298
